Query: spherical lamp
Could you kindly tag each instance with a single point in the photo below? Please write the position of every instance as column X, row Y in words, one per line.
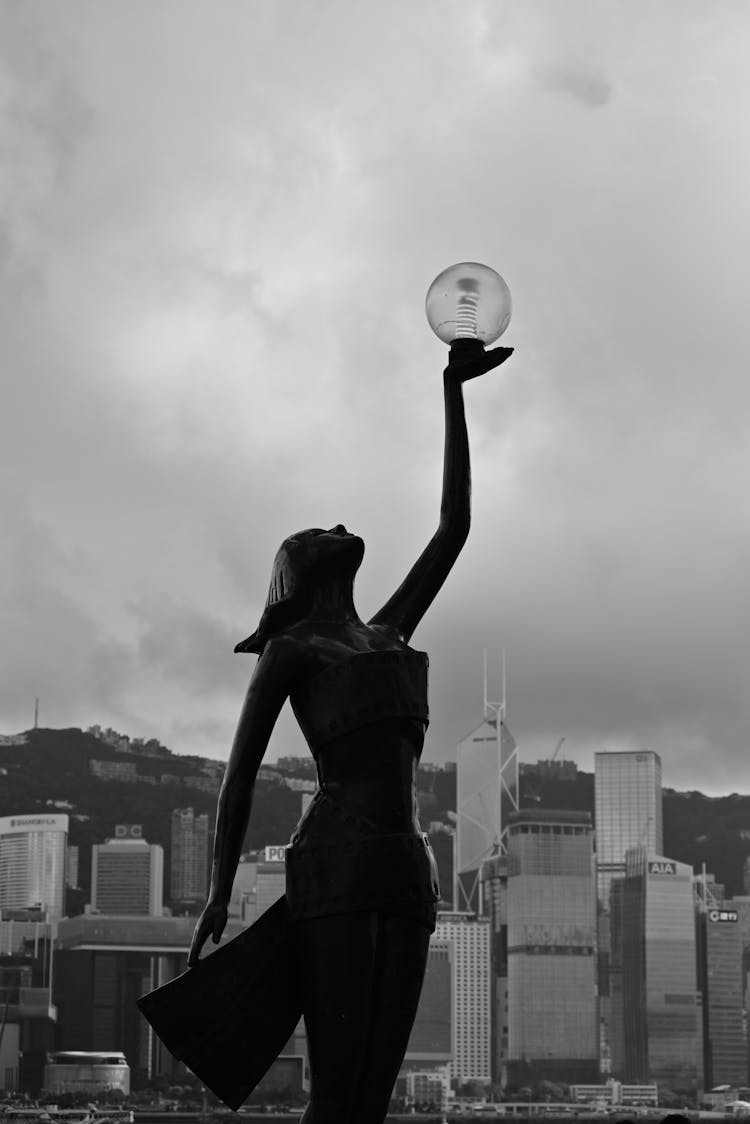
column 468, row 301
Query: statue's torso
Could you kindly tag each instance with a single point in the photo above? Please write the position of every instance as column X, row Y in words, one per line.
column 359, row 845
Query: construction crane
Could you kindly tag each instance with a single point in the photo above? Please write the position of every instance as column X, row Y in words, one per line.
column 534, row 786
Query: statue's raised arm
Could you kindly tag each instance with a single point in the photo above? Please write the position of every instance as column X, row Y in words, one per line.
column 404, row 610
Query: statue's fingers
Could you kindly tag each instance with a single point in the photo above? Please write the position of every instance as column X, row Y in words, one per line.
column 197, row 944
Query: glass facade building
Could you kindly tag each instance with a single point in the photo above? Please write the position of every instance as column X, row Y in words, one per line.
column 32, row 863
column 495, row 892
column 551, row 904
column 627, row 813
column 724, row 1035
column 486, row 795
column 661, row 1002
column 627, row 810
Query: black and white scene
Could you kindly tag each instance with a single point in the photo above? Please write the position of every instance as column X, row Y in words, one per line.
column 374, row 710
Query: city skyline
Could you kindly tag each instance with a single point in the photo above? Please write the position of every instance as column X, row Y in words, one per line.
column 511, row 999
column 212, row 316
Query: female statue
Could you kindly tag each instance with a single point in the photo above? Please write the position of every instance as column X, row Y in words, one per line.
column 361, row 879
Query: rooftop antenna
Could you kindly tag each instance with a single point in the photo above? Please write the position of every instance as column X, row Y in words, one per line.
column 495, row 709
column 36, row 713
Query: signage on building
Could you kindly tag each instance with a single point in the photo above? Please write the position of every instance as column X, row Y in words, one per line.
column 12, row 824
column 454, row 918
column 275, row 853
column 664, row 867
column 721, row 915
column 556, row 935
column 128, row 831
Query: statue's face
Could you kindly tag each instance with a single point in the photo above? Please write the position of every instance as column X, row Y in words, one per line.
column 334, row 547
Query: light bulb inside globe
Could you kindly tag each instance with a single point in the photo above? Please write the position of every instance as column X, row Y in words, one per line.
column 468, row 301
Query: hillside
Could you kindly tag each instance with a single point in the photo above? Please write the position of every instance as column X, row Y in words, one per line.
column 53, row 770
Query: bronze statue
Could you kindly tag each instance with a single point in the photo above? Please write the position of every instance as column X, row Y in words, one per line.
column 361, row 878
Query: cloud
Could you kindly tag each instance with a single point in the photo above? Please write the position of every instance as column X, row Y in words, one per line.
column 211, row 307
column 590, row 89
column 183, row 643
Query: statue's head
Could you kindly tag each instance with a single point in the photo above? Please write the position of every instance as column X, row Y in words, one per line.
column 304, row 560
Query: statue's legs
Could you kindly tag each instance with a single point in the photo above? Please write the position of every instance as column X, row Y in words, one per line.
column 361, row 978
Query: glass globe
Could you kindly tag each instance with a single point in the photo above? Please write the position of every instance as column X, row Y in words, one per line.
column 468, row 301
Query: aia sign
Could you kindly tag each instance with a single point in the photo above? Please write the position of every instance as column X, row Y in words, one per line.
column 664, row 867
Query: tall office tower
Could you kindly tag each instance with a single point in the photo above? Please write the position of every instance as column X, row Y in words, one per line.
column 742, row 905
column 494, row 877
column 746, row 877
column 71, row 866
column 127, row 874
column 552, row 1009
column 721, row 977
column 470, row 936
column 189, row 862
column 627, row 810
column 32, row 862
column 431, row 1039
column 663, row 1034
column 612, row 985
column 628, row 813
column 486, row 794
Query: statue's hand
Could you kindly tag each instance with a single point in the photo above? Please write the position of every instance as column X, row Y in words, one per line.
column 211, row 922
column 463, row 366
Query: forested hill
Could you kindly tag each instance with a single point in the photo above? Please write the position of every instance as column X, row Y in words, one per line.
column 71, row 771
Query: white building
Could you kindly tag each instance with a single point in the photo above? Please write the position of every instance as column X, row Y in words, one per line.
column 486, row 795
column 32, row 862
column 470, row 936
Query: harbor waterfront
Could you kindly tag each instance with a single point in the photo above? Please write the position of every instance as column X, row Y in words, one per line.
column 25, row 1113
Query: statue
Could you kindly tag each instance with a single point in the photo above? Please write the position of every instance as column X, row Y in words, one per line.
column 352, row 933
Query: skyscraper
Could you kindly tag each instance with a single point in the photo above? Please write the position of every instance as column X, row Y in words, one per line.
column 628, row 813
column 32, row 862
column 189, row 860
column 724, row 1034
column 552, row 1009
column 127, row 874
column 627, row 810
column 486, row 794
column 663, row 1039
column 470, row 993
column 494, row 876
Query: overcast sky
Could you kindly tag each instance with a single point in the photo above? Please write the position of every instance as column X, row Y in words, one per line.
column 218, row 223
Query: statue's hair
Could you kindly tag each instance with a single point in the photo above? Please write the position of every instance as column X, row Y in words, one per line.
column 289, row 595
